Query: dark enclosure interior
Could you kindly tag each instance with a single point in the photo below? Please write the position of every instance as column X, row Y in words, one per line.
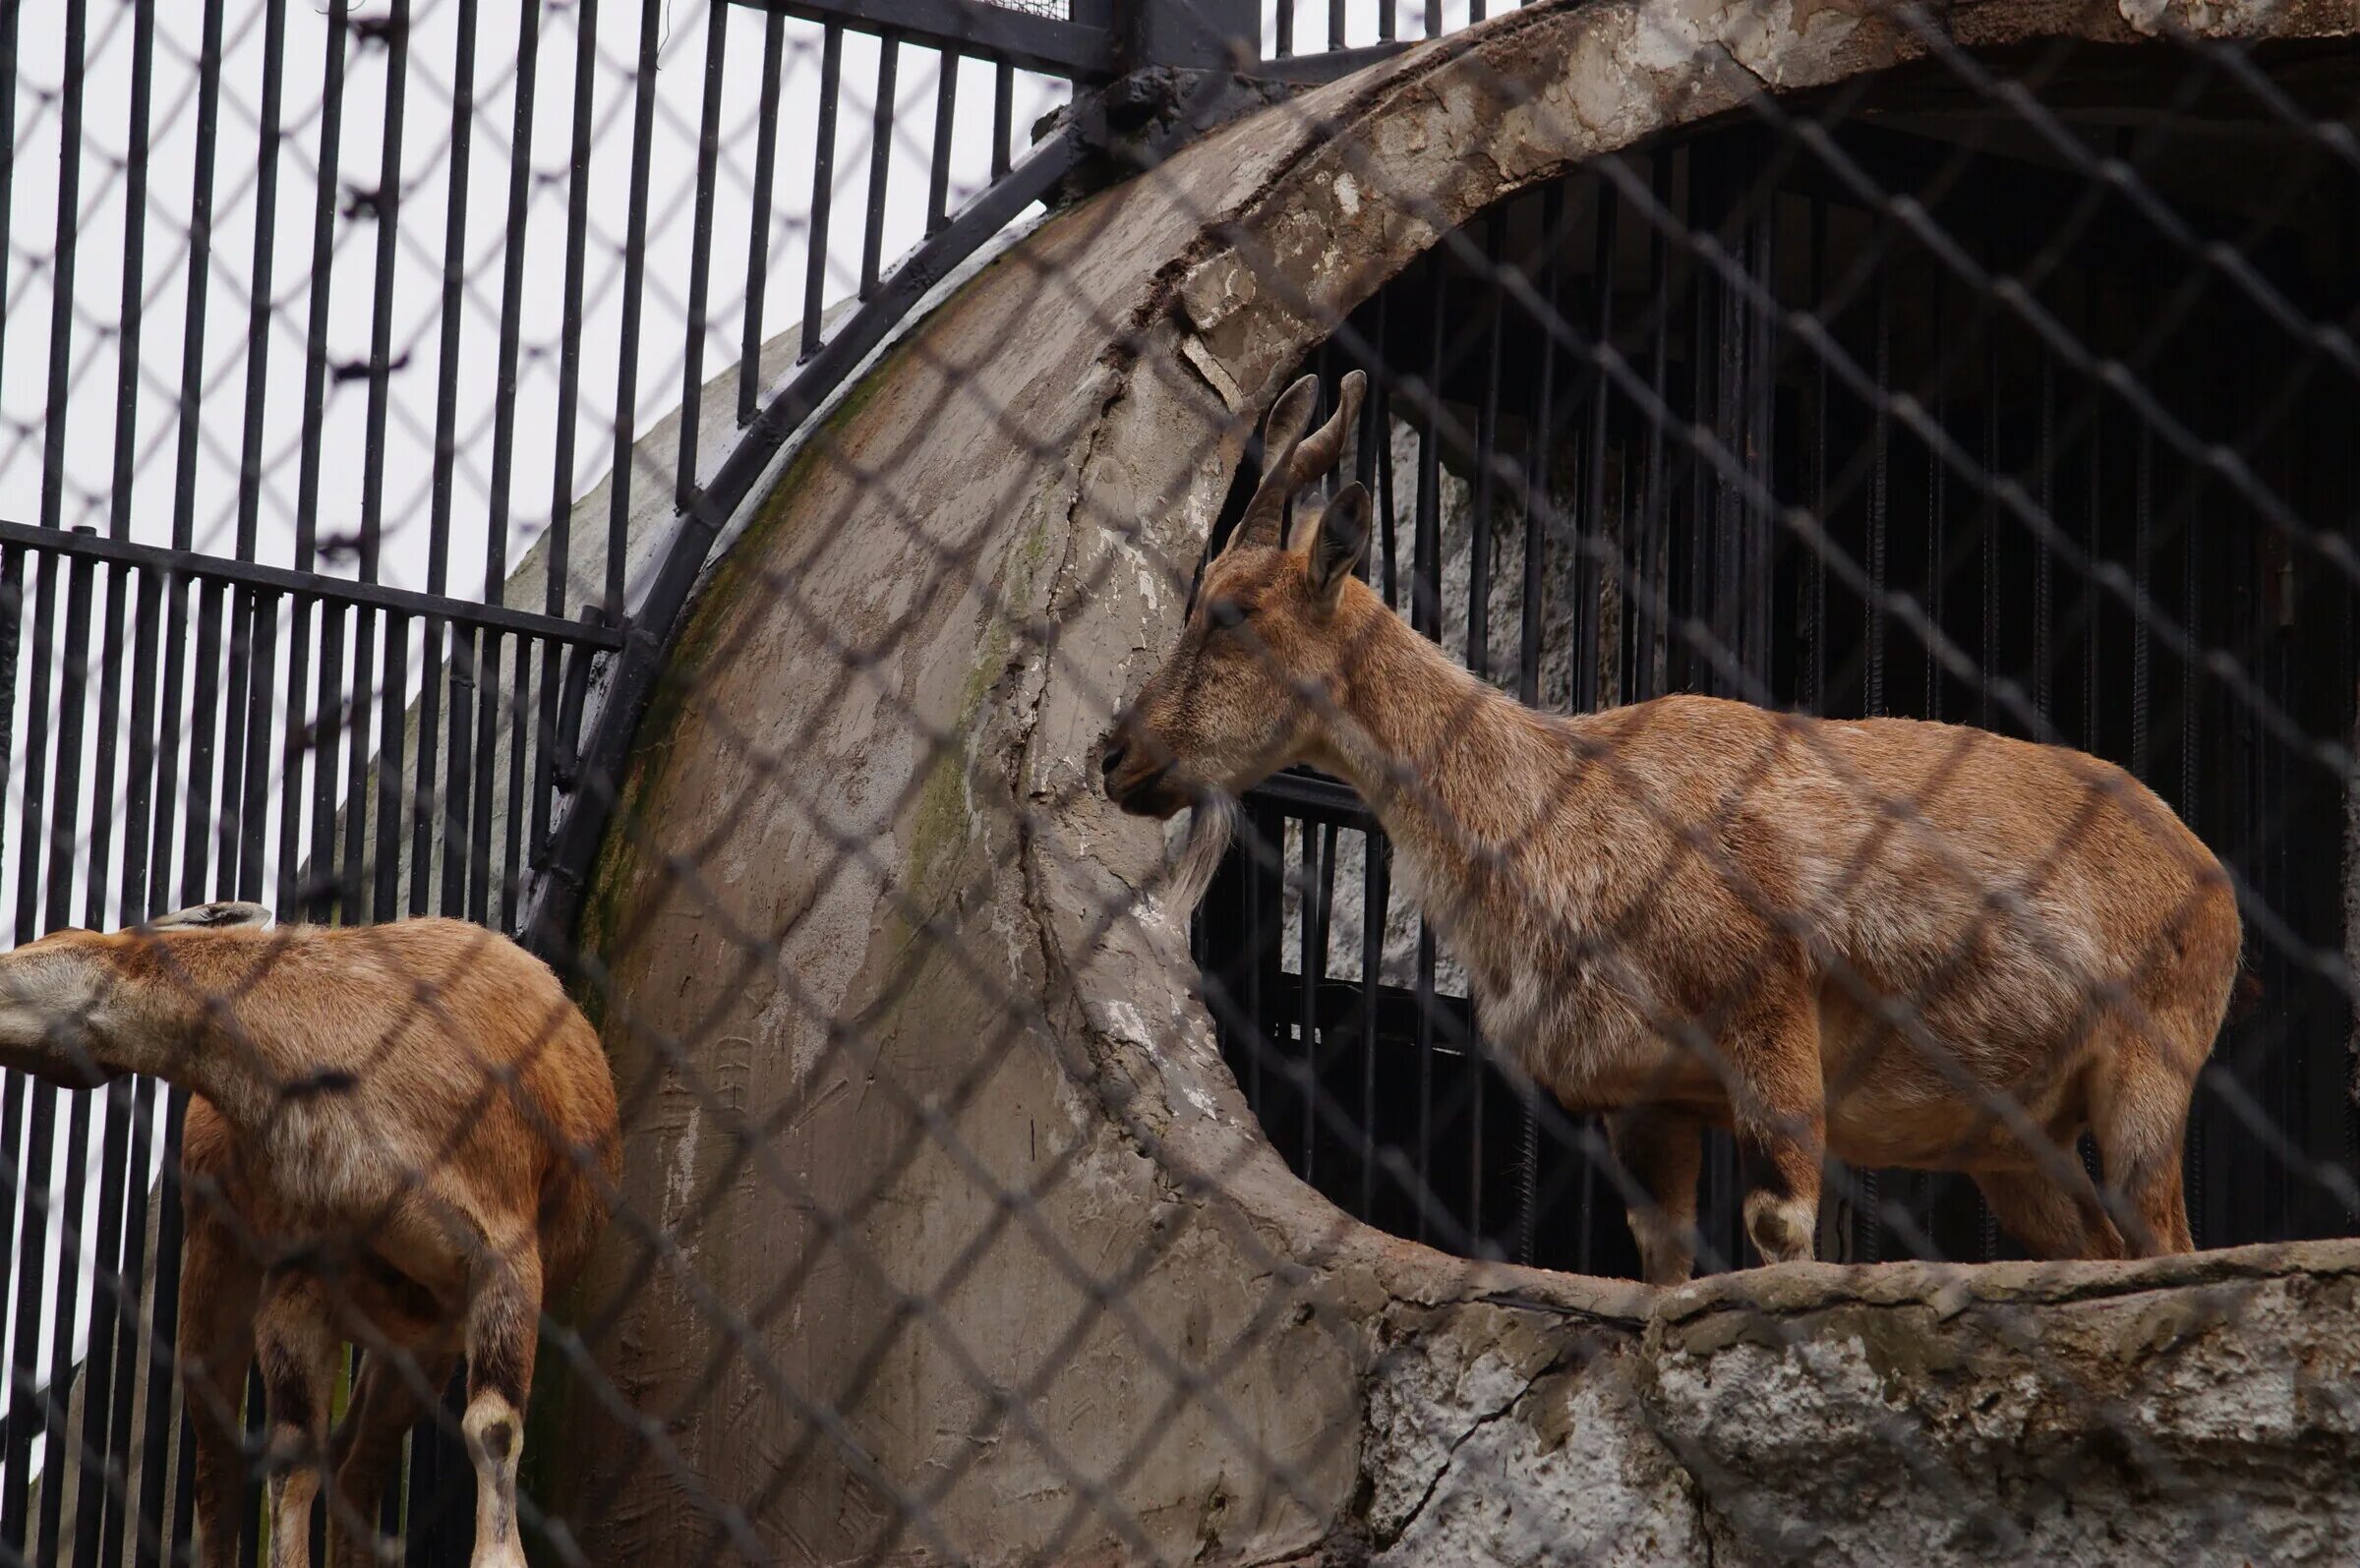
column 2074, row 459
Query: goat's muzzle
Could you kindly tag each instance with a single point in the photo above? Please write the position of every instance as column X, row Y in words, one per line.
column 1137, row 775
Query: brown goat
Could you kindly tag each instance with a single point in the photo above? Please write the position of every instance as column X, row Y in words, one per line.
column 399, row 1135
column 1899, row 942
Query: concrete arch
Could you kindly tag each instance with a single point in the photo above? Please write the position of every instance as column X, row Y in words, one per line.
column 923, row 1109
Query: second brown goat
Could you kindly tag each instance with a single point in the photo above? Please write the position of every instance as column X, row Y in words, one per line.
column 1893, row 941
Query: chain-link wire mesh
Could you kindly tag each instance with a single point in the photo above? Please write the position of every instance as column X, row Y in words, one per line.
column 1744, row 624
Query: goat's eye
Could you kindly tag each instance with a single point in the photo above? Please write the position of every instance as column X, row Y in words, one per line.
column 1226, row 613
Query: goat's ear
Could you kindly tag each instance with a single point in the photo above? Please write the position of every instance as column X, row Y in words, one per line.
column 1342, row 539
column 214, row 916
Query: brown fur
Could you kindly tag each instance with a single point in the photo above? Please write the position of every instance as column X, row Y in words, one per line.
column 399, row 1135
column 1895, row 942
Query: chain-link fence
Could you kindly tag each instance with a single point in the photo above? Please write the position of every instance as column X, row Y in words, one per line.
column 1743, row 623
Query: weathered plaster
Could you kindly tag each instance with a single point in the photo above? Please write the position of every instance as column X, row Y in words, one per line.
column 942, row 1202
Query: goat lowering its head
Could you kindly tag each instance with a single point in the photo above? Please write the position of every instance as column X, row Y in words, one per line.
column 399, row 1135
column 1899, row 942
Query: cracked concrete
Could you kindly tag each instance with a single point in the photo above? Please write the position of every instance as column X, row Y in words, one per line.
column 914, row 1072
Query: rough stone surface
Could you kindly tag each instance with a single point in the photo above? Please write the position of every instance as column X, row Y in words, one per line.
column 947, row 1235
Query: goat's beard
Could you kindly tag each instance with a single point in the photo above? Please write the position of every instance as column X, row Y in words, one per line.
column 1192, row 863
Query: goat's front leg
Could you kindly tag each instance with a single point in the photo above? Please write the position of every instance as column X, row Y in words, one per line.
column 504, row 1328
column 1663, row 1149
column 1778, row 1108
column 301, row 1354
column 219, row 1288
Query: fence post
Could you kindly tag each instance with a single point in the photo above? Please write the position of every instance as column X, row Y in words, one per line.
column 1185, row 34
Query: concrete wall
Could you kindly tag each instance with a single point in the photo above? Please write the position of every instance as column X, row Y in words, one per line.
column 949, row 1234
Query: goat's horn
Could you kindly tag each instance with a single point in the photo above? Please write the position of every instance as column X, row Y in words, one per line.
column 1282, row 436
column 1316, row 456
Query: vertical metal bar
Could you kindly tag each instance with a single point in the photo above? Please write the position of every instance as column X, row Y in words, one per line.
column 1426, row 1011
column 459, row 162
column 10, row 17
column 352, row 891
column 1880, row 465
column 570, row 343
column 880, row 159
column 1003, row 118
column 314, row 394
column 1937, row 499
column 156, row 1420
column 2143, row 542
column 1434, row 19
column 1336, row 24
column 1373, row 898
column 31, row 1254
column 261, row 615
column 1256, row 1044
column 634, row 290
column 1426, row 577
column 1387, row 527
column 2045, row 563
column 326, row 742
column 938, row 169
column 131, row 906
column 64, row 831
column 131, row 1278
column 757, row 227
column 458, row 795
column 700, row 258
column 387, row 208
column 2094, row 542
column 259, row 305
column 487, row 745
column 1818, row 701
column 1487, row 435
column 135, row 229
column 519, row 746
column 823, row 187
column 1388, row 22
column 1285, row 37
column 111, row 1319
column 1311, row 940
column 1537, row 505
column 393, row 716
column 1653, row 655
column 61, row 267
column 1587, row 577
column 197, row 839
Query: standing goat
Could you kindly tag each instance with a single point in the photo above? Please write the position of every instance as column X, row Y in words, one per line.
column 401, row 1136
column 1900, row 942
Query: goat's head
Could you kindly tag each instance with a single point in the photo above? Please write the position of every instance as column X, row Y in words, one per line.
column 1235, row 702
column 63, row 996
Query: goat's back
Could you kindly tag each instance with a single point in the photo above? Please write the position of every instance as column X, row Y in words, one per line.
column 427, row 1051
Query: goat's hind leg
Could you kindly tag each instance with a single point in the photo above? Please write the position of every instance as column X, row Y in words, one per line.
column 390, row 1394
column 219, row 1285
column 1663, row 1149
column 504, row 1326
column 301, row 1354
column 2139, row 1120
column 1779, row 1112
